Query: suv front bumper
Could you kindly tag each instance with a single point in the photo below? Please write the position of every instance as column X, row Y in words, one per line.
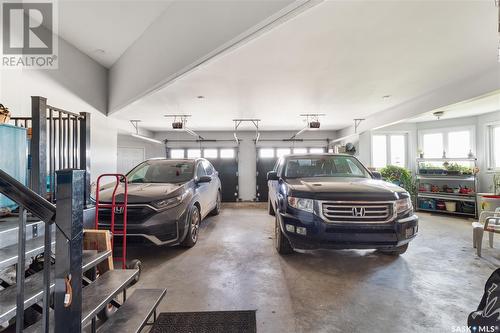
column 324, row 235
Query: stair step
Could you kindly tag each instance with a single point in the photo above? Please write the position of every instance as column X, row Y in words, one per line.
column 33, row 287
column 133, row 315
column 97, row 295
column 34, row 246
column 9, row 227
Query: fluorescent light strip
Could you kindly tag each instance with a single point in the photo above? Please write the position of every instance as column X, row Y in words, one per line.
column 139, row 136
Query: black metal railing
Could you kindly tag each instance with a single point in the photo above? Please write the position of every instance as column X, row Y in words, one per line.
column 60, row 139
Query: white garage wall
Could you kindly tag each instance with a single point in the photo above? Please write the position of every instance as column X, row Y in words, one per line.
column 151, row 149
column 247, row 149
column 479, row 122
column 78, row 85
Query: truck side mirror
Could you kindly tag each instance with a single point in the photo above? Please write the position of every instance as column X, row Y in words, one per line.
column 272, row 175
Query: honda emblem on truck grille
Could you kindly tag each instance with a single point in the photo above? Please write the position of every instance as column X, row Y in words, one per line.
column 358, row 211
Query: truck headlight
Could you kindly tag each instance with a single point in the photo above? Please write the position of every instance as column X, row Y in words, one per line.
column 301, row 203
column 170, row 202
column 403, row 205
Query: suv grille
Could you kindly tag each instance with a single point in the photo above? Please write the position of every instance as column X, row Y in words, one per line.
column 360, row 212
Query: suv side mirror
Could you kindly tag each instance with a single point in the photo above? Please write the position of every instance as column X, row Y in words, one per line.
column 204, row 179
column 376, row 175
column 272, row 175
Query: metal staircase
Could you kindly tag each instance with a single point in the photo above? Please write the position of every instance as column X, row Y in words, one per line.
column 66, row 298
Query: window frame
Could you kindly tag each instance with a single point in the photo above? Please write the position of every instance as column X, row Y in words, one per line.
column 388, row 147
column 489, row 144
column 445, row 131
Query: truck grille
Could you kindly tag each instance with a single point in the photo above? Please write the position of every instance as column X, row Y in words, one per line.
column 357, row 212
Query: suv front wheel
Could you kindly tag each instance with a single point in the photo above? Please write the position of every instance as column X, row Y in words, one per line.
column 281, row 243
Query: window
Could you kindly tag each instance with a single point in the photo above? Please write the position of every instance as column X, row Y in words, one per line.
column 266, row 153
column 398, row 150
column 210, row 153
column 208, row 168
column 200, row 170
column 176, row 153
column 459, row 144
column 194, row 153
column 316, row 150
column 162, row 171
column 282, row 151
column 379, row 151
column 389, row 149
column 299, row 150
column 329, row 166
column 433, row 145
column 227, row 153
column 454, row 142
column 494, row 147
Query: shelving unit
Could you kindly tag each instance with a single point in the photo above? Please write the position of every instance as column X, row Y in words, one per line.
column 433, row 178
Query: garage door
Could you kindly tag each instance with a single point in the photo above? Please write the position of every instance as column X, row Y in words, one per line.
column 226, row 163
column 224, row 160
column 266, row 159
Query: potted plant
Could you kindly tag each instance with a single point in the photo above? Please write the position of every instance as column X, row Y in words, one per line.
column 401, row 177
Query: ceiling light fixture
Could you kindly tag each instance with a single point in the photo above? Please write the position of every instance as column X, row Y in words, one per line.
column 312, row 123
column 135, row 123
column 438, row 114
column 179, row 123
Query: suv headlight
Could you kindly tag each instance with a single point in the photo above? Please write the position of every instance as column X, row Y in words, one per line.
column 170, row 202
column 301, row 203
column 403, row 205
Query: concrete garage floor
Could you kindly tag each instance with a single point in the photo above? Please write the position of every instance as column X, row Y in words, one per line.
column 234, row 266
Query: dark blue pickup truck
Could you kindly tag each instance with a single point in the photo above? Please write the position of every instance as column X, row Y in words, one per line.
column 333, row 201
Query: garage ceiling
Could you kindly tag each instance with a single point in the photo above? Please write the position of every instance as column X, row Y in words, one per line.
column 339, row 58
column 105, row 29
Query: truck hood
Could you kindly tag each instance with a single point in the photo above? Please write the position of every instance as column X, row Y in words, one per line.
column 142, row 193
column 344, row 189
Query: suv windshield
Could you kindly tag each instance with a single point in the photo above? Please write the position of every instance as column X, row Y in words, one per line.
column 324, row 166
column 162, row 171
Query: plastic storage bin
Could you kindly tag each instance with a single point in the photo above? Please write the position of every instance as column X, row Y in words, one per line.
column 13, row 158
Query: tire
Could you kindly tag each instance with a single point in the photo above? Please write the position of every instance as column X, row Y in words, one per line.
column 270, row 208
column 193, row 228
column 135, row 264
column 216, row 210
column 281, row 243
column 396, row 251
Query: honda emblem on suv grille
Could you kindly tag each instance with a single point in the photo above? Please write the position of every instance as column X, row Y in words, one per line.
column 118, row 210
column 358, row 211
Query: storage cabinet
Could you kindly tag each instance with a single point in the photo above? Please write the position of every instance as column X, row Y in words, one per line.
column 447, row 185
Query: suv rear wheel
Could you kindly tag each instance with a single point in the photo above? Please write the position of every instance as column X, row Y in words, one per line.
column 281, row 243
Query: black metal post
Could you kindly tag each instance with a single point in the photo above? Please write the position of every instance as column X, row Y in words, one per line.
column 69, row 239
column 39, row 145
column 85, row 152
column 21, row 249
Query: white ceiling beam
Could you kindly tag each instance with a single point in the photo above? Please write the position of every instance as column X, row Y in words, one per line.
column 188, row 34
column 459, row 91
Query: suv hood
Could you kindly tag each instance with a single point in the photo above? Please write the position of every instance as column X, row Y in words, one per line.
column 345, row 189
column 141, row 193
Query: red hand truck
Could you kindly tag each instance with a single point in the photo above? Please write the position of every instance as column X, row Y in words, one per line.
column 114, row 206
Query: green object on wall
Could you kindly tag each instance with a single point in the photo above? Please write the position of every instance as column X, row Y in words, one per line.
column 13, row 157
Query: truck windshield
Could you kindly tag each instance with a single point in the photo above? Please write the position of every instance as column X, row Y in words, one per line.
column 162, row 171
column 324, row 166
